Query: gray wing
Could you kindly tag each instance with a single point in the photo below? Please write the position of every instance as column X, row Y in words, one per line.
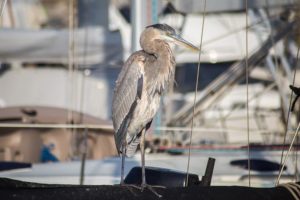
column 127, row 91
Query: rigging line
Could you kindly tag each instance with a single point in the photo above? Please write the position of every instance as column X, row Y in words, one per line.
column 76, row 77
column 2, row 7
column 71, row 59
column 296, row 175
column 76, row 80
column 293, row 188
column 195, row 95
column 296, row 162
column 290, row 104
column 287, row 154
column 247, row 95
column 71, row 44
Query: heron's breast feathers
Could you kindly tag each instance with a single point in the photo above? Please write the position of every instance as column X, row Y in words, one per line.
column 159, row 74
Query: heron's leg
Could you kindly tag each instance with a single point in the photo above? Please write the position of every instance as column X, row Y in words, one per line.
column 123, row 162
column 123, row 169
column 144, row 184
column 142, row 146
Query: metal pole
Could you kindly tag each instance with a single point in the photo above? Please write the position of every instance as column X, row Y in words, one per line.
column 83, row 156
column 138, row 22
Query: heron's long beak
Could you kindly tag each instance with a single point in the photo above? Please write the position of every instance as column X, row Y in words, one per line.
column 182, row 42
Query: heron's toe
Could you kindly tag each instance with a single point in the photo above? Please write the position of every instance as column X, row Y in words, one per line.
column 151, row 188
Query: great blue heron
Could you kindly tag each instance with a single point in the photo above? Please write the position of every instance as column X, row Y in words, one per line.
column 140, row 84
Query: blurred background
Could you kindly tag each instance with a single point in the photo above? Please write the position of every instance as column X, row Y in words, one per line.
column 59, row 60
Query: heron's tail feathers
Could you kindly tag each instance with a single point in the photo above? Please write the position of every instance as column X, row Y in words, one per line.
column 133, row 145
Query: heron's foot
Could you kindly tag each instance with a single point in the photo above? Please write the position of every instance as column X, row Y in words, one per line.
column 130, row 187
column 151, row 188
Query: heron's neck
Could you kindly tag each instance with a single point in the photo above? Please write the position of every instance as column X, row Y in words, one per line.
column 163, row 52
column 164, row 64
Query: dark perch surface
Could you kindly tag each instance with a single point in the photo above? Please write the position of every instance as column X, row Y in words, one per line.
column 12, row 189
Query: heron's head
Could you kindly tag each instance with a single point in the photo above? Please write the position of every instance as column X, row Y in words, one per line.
column 166, row 33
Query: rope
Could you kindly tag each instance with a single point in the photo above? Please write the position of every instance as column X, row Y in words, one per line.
column 293, row 188
column 247, row 105
column 195, row 96
column 71, row 44
column 296, row 176
column 287, row 154
column 288, row 115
